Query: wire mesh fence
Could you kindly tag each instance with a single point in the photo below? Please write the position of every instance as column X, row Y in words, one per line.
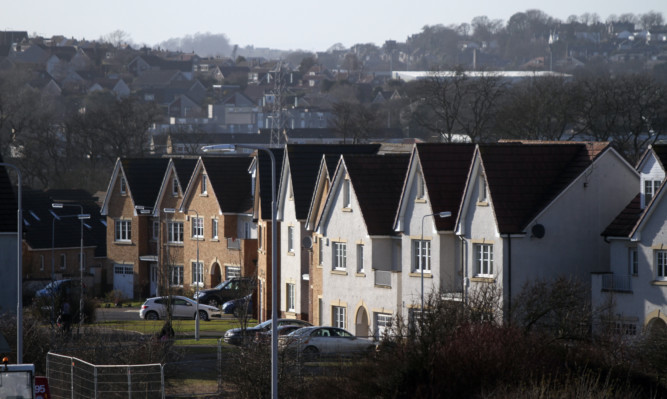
column 73, row 378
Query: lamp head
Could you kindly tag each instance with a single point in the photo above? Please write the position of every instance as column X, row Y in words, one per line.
column 444, row 214
column 57, row 205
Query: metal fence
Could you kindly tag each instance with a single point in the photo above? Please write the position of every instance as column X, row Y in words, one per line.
column 70, row 377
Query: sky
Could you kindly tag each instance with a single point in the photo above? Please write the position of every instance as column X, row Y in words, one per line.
column 292, row 25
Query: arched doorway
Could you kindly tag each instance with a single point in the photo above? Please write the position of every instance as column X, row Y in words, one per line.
column 216, row 274
column 361, row 323
column 657, row 327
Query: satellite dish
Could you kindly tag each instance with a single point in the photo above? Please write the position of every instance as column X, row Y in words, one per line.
column 307, row 242
column 538, row 230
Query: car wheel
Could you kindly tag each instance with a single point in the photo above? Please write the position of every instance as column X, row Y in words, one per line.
column 152, row 316
column 214, row 302
column 203, row 315
column 311, row 353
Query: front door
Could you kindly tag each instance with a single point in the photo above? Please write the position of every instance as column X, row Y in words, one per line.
column 153, row 277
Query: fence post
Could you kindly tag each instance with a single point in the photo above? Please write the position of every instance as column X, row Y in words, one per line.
column 71, row 375
column 219, row 365
column 162, row 378
column 129, row 383
column 95, row 381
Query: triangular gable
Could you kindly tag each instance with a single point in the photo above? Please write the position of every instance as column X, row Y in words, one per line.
column 645, row 217
column 318, row 192
column 144, row 178
column 191, row 184
column 117, row 169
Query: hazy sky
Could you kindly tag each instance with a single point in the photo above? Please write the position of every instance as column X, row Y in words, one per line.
column 290, row 25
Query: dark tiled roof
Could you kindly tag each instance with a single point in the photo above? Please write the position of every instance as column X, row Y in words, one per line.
column 625, row 221
column 660, row 151
column 377, row 181
column 38, row 221
column 523, row 178
column 264, row 169
column 230, row 181
column 184, row 169
column 8, row 204
column 304, row 161
column 144, row 178
column 445, row 168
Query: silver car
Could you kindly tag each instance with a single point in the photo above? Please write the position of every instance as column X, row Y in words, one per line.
column 312, row 342
column 182, row 308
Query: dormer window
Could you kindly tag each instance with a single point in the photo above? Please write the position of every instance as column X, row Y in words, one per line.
column 650, row 188
column 174, row 187
column 346, row 194
column 420, row 187
column 123, row 185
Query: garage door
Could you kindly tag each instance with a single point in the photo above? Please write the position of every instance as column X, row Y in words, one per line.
column 123, row 280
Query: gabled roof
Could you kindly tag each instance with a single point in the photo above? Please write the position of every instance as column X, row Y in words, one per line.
column 184, row 167
column 8, row 202
column 264, row 169
column 230, row 182
column 303, row 161
column 660, row 153
column 377, row 181
column 144, row 177
column 38, row 218
column 523, row 179
column 625, row 222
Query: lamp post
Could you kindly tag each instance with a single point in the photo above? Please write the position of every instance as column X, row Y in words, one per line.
column 19, row 265
column 82, row 216
column 199, row 276
column 422, row 263
column 274, row 266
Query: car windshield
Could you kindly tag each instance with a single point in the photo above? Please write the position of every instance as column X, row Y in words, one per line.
column 264, row 324
column 219, row 286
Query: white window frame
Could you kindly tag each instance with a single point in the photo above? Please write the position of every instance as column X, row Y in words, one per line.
column 63, row 261
column 483, row 259
column 650, row 188
column 197, row 273
column 382, row 323
column 633, row 261
column 123, row 185
column 122, row 230
column 214, row 229
column 421, row 256
column 360, row 258
column 661, row 265
column 175, row 232
column 339, row 255
column 347, row 197
column 338, row 316
column 176, row 275
column 197, row 224
column 290, row 239
column 290, row 299
column 204, row 184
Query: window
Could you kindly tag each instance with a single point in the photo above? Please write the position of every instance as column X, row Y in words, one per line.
column 204, row 184
column 174, row 186
column 247, row 231
column 41, row 262
column 123, row 185
column 197, row 228
column 123, row 230
column 321, row 252
column 420, row 186
column 176, row 275
column 382, row 324
column 291, row 295
column 63, row 261
column 214, row 229
column 661, row 264
column 338, row 316
column 650, row 188
column 339, row 255
column 260, row 240
column 198, row 273
column 156, row 230
column 484, row 259
column 633, row 261
column 625, row 328
column 175, row 232
column 290, row 238
column 346, row 194
column 421, row 259
column 481, row 196
column 232, row 271
column 360, row 258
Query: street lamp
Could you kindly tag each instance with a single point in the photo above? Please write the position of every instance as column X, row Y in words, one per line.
column 82, row 216
column 199, row 276
column 19, row 266
column 422, row 263
column 274, row 266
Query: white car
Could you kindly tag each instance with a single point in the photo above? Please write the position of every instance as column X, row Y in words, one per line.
column 312, row 342
column 182, row 308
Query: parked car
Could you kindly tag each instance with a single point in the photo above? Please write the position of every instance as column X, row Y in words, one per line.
column 236, row 306
column 52, row 298
column 59, row 288
column 182, row 308
column 313, row 342
column 233, row 288
column 265, row 336
column 239, row 336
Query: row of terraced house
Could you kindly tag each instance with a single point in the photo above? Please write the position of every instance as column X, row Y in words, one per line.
column 366, row 231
